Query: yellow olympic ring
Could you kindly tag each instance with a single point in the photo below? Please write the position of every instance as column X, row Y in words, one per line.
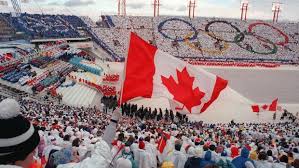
column 207, row 50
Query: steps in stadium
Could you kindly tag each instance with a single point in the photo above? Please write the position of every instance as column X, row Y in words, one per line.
column 78, row 95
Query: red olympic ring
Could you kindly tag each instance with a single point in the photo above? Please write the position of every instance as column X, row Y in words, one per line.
column 281, row 43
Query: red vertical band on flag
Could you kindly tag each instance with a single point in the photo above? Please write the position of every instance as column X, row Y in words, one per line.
column 255, row 108
column 163, row 142
column 273, row 105
column 140, row 69
column 220, row 84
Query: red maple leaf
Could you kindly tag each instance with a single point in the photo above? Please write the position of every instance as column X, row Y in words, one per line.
column 182, row 91
column 265, row 107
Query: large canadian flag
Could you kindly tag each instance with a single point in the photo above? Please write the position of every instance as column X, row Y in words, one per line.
column 151, row 73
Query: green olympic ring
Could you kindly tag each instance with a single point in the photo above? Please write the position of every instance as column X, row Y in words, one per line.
column 273, row 48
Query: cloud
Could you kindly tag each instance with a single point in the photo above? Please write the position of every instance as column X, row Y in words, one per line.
column 78, row 2
column 40, row 0
column 53, row 4
column 181, row 8
column 137, row 5
column 167, row 7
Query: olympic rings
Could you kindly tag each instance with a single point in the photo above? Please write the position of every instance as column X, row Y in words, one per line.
column 160, row 26
column 282, row 43
column 238, row 38
column 239, row 33
column 207, row 50
column 273, row 48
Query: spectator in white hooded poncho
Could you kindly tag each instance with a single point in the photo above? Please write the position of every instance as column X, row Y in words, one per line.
column 101, row 157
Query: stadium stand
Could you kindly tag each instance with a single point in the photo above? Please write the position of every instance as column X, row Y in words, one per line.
column 208, row 38
column 88, row 21
column 195, row 39
column 46, row 26
column 47, row 70
column 6, row 31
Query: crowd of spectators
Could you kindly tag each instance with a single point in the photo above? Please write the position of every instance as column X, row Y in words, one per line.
column 289, row 116
column 207, row 38
column 46, row 26
column 6, row 32
column 260, row 41
column 76, row 137
column 11, row 54
column 111, row 78
column 231, row 63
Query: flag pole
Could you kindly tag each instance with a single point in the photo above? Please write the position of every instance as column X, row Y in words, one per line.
column 124, row 74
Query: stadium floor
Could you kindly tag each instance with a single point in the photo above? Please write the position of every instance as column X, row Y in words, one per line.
column 263, row 85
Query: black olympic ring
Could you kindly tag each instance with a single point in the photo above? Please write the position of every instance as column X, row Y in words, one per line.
column 240, row 34
column 274, row 47
column 180, row 39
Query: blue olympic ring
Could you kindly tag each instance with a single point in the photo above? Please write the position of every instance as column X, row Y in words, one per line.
column 179, row 39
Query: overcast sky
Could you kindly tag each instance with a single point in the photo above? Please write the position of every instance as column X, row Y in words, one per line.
column 258, row 9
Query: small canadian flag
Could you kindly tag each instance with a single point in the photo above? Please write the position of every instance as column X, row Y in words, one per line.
column 151, row 73
column 272, row 107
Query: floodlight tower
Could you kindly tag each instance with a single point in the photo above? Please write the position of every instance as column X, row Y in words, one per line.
column 244, row 9
column 121, row 8
column 193, row 12
column 276, row 9
column 156, row 7
column 118, row 7
column 124, row 9
column 191, row 8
